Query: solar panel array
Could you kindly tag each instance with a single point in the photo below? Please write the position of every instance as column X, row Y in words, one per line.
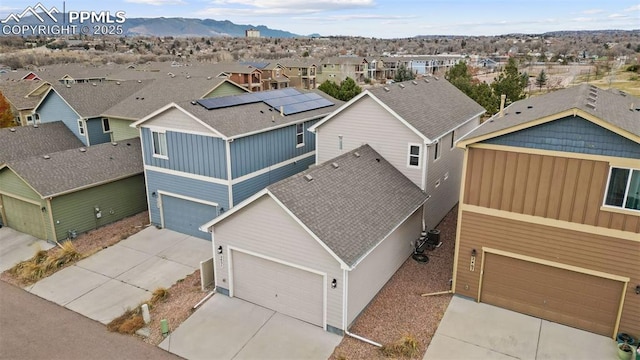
column 290, row 100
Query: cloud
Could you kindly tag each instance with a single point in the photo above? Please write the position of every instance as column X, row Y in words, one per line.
column 157, row 2
column 618, row 16
column 593, row 11
column 324, row 5
column 633, row 8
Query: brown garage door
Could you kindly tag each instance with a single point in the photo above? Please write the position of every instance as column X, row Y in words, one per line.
column 567, row 297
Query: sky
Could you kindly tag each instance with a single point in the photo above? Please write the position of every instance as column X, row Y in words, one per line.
column 378, row 18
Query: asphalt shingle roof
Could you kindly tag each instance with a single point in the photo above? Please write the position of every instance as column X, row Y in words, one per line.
column 353, row 207
column 28, row 141
column 434, row 108
column 16, row 92
column 68, row 170
column 612, row 106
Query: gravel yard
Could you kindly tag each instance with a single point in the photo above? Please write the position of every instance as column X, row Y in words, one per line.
column 399, row 310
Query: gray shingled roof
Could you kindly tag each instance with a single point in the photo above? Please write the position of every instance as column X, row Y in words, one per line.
column 243, row 119
column 16, row 92
column 434, row 108
column 28, row 141
column 70, row 170
column 610, row 106
column 90, row 100
column 353, row 207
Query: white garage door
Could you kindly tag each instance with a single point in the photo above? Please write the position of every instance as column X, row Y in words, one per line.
column 285, row 289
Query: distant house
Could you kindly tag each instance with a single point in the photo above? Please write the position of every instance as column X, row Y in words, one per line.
column 273, row 77
column 301, row 73
column 61, row 194
column 319, row 245
column 550, row 210
column 23, row 96
column 252, row 33
column 203, row 157
column 337, row 69
column 244, row 75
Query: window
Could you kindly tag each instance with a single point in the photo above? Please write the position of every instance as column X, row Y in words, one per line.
column 436, row 153
column 453, row 139
column 159, row 144
column 414, row 155
column 299, row 135
column 340, row 142
column 80, row 127
column 106, row 127
column 623, row 188
column 29, row 119
column 36, row 117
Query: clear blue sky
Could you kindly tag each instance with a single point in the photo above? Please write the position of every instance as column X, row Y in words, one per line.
column 379, row 18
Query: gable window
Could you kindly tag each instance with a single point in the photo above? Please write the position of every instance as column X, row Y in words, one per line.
column 159, row 144
column 36, row 118
column 623, row 188
column 453, row 139
column 106, row 127
column 299, row 135
column 29, row 119
column 80, row 127
column 414, row 155
column 436, row 153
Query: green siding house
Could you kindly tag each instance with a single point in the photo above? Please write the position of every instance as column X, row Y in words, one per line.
column 62, row 194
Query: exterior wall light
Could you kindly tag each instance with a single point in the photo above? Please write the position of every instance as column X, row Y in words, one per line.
column 473, row 252
column 154, row 194
column 220, row 249
column 334, row 283
column 638, row 289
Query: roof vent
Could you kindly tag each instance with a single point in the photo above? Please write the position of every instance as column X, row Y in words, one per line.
column 83, row 149
column 308, row 177
column 386, row 89
column 193, row 102
column 435, row 77
column 114, row 143
column 530, row 107
column 622, row 93
column 335, row 165
column 68, row 85
column 47, row 157
column 94, row 84
column 631, row 107
column 14, row 130
column 117, row 82
column 426, row 80
column 35, row 126
column 414, row 82
column 401, row 86
column 518, row 112
column 139, row 81
column 208, row 77
column 590, row 105
column 356, row 154
column 188, row 76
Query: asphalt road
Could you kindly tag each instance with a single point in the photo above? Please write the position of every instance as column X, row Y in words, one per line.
column 33, row 328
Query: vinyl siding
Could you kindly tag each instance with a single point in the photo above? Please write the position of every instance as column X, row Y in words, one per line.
column 585, row 250
column 11, row 184
column 376, row 269
column 177, row 120
column 120, row 129
column 184, row 186
column 225, row 89
column 116, row 200
column 54, row 108
column 189, row 153
column 255, row 152
column 366, row 122
column 245, row 189
column 95, row 132
column 263, row 227
column 548, row 186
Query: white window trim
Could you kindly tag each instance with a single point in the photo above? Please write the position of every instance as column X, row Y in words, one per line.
column 626, row 190
column 419, row 156
column 299, row 145
column 82, row 130
column 437, row 150
column 29, row 119
column 453, row 140
column 103, row 129
column 153, row 145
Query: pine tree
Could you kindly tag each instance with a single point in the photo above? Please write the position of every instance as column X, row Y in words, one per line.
column 511, row 83
column 541, row 79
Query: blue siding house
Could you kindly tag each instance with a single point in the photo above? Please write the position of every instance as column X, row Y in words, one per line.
column 79, row 107
column 203, row 157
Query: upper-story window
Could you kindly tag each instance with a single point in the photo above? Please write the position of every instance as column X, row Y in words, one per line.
column 623, row 188
column 299, row 135
column 453, row 139
column 80, row 127
column 159, row 144
column 414, row 155
column 436, row 152
column 29, row 119
column 106, row 127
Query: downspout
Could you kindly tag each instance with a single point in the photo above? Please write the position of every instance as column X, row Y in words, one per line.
column 344, row 312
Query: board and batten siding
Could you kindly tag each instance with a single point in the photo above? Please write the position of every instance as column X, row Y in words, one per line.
column 225, row 89
column 188, row 153
column 54, row 108
column 370, row 275
column 180, row 185
column 245, row 189
column 366, row 122
column 120, row 129
column 259, row 151
column 95, row 132
column 265, row 228
column 552, row 187
column 581, row 249
column 116, row 200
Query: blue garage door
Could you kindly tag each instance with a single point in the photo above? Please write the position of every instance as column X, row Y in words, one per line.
column 186, row 216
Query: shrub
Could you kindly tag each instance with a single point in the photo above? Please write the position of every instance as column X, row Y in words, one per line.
column 159, row 294
column 407, row 346
column 127, row 323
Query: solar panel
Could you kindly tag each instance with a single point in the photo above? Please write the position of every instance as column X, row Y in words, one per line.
column 291, row 100
column 306, row 106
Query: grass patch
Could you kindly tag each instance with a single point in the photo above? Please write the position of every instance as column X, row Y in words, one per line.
column 158, row 295
column 408, row 346
column 44, row 263
column 132, row 321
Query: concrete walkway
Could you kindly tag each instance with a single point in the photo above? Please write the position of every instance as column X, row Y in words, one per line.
column 104, row 285
column 229, row 328
column 471, row 330
column 16, row 247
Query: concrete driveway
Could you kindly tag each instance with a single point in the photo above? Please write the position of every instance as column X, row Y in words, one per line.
column 16, row 246
column 229, row 328
column 471, row 330
column 104, row 285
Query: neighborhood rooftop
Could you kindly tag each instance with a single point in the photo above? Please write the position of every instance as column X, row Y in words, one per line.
column 17, row 92
column 22, row 142
column 352, row 202
column 69, row 170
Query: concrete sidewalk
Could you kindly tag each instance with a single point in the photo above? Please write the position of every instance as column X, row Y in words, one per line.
column 104, row 285
column 471, row 330
column 16, row 247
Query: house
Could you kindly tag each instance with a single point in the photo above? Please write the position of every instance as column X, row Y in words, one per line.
column 337, row 69
column 244, row 75
column 414, row 125
column 80, row 107
column 61, row 194
column 26, row 141
column 203, row 157
column 301, row 73
column 319, row 245
column 23, row 96
column 549, row 215
column 161, row 92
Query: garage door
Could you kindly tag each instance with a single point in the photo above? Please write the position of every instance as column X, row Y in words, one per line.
column 567, row 297
column 285, row 289
column 186, row 216
column 24, row 217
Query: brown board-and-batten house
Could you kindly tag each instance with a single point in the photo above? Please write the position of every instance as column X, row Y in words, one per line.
column 549, row 215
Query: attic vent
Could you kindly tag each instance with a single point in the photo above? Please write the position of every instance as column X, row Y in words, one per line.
column 401, row 86
column 117, row 82
column 94, row 84
column 208, row 77
column 386, row 89
column 426, row 80
column 139, row 81
column 12, row 130
column 308, row 177
column 188, row 76
column 83, row 149
column 414, row 82
column 356, row 154
column 435, row 77
column 114, row 143
column 631, row 107
column 335, row 165
column 68, row 85
column 35, row 126
column 193, row 102
column 590, row 105
column 47, row 157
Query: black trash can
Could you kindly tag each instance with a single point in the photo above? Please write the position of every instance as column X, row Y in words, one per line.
column 433, row 237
